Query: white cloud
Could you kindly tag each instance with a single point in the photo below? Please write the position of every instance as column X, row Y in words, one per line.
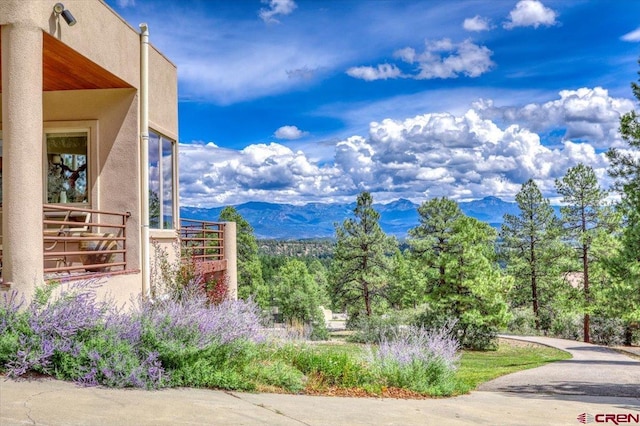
column 462, row 156
column 632, row 36
column 276, row 7
column 210, row 175
column 530, row 13
column 381, row 72
column 289, row 132
column 586, row 114
column 440, row 59
column 463, row 58
column 477, row 23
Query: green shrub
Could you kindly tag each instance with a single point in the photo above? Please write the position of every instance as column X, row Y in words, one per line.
column 276, row 373
column 417, row 359
column 331, row 368
column 371, row 329
column 471, row 332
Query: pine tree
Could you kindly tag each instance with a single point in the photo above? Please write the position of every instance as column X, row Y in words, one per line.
column 583, row 217
column 361, row 261
column 532, row 249
column 624, row 265
column 456, row 255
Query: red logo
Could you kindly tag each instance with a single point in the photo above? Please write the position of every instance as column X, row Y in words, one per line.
column 585, row 418
column 616, row 419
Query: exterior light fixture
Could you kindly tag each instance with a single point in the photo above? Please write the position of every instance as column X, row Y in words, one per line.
column 59, row 9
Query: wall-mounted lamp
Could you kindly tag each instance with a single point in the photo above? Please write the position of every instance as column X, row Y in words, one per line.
column 59, row 9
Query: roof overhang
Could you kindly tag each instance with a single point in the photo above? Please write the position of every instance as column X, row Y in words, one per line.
column 66, row 69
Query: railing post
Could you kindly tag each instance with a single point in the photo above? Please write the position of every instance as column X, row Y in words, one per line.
column 230, row 254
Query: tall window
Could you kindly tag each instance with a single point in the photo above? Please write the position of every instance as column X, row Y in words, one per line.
column 67, row 163
column 162, row 159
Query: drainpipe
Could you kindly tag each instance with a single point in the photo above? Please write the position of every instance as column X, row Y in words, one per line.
column 144, row 158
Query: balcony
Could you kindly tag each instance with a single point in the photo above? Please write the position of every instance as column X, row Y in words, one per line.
column 81, row 242
column 202, row 244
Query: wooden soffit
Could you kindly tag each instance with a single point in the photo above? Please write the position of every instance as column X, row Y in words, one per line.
column 66, row 69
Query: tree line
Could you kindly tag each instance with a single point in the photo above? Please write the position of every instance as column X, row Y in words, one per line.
column 538, row 268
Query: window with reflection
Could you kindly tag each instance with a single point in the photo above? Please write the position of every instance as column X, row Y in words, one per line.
column 67, row 164
column 161, row 181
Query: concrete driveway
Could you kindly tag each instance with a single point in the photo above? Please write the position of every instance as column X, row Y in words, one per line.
column 556, row 396
column 593, row 370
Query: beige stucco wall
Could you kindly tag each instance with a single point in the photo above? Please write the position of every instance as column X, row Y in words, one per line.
column 22, row 245
column 163, row 94
column 100, row 34
column 104, row 38
column 116, row 154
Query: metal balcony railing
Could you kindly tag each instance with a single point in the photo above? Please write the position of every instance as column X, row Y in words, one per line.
column 201, row 241
column 80, row 241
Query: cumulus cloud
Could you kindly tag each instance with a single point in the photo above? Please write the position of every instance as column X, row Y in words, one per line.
column 289, row 132
column 381, row 72
column 586, row 114
column 477, row 23
column 276, row 7
column 444, row 59
column 440, row 59
column 463, row 156
column 530, row 13
column 632, row 36
column 213, row 176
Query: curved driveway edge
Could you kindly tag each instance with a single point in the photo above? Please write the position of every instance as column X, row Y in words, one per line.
column 52, row 402
column 594, row 370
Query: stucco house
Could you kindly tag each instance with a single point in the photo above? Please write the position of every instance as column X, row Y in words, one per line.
column 88, row 152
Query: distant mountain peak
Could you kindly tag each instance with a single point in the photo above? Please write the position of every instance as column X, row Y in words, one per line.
column 316, row 220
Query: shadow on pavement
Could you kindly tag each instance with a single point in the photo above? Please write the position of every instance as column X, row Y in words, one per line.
column 576, row 388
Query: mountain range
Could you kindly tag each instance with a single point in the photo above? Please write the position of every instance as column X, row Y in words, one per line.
column 317, row 220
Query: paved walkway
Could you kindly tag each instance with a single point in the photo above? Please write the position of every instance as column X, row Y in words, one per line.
column 525, row 401
column 593, row 370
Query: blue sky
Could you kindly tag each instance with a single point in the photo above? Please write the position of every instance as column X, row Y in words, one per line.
column 298, row 101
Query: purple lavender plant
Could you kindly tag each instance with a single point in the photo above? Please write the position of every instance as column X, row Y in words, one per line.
column 416, row 358
column 191, row 320
column 419, row 344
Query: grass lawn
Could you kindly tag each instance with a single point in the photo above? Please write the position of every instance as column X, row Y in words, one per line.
column 511, row 356
column 475, row 367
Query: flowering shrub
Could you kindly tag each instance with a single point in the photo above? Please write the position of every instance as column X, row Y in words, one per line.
column 183, row 340
column 418, row 359
column 74, row 336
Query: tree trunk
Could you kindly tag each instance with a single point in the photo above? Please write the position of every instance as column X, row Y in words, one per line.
column 585, row 278
column 534, row 286
column 367, row 298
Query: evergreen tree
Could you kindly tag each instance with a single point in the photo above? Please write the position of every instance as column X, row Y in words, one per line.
column 456, row 255
column 583, row 217
column 624, row 265
column 406, row 286
column 250, row 282
column 297, row 293
column 532, row 250
column 360, row 261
